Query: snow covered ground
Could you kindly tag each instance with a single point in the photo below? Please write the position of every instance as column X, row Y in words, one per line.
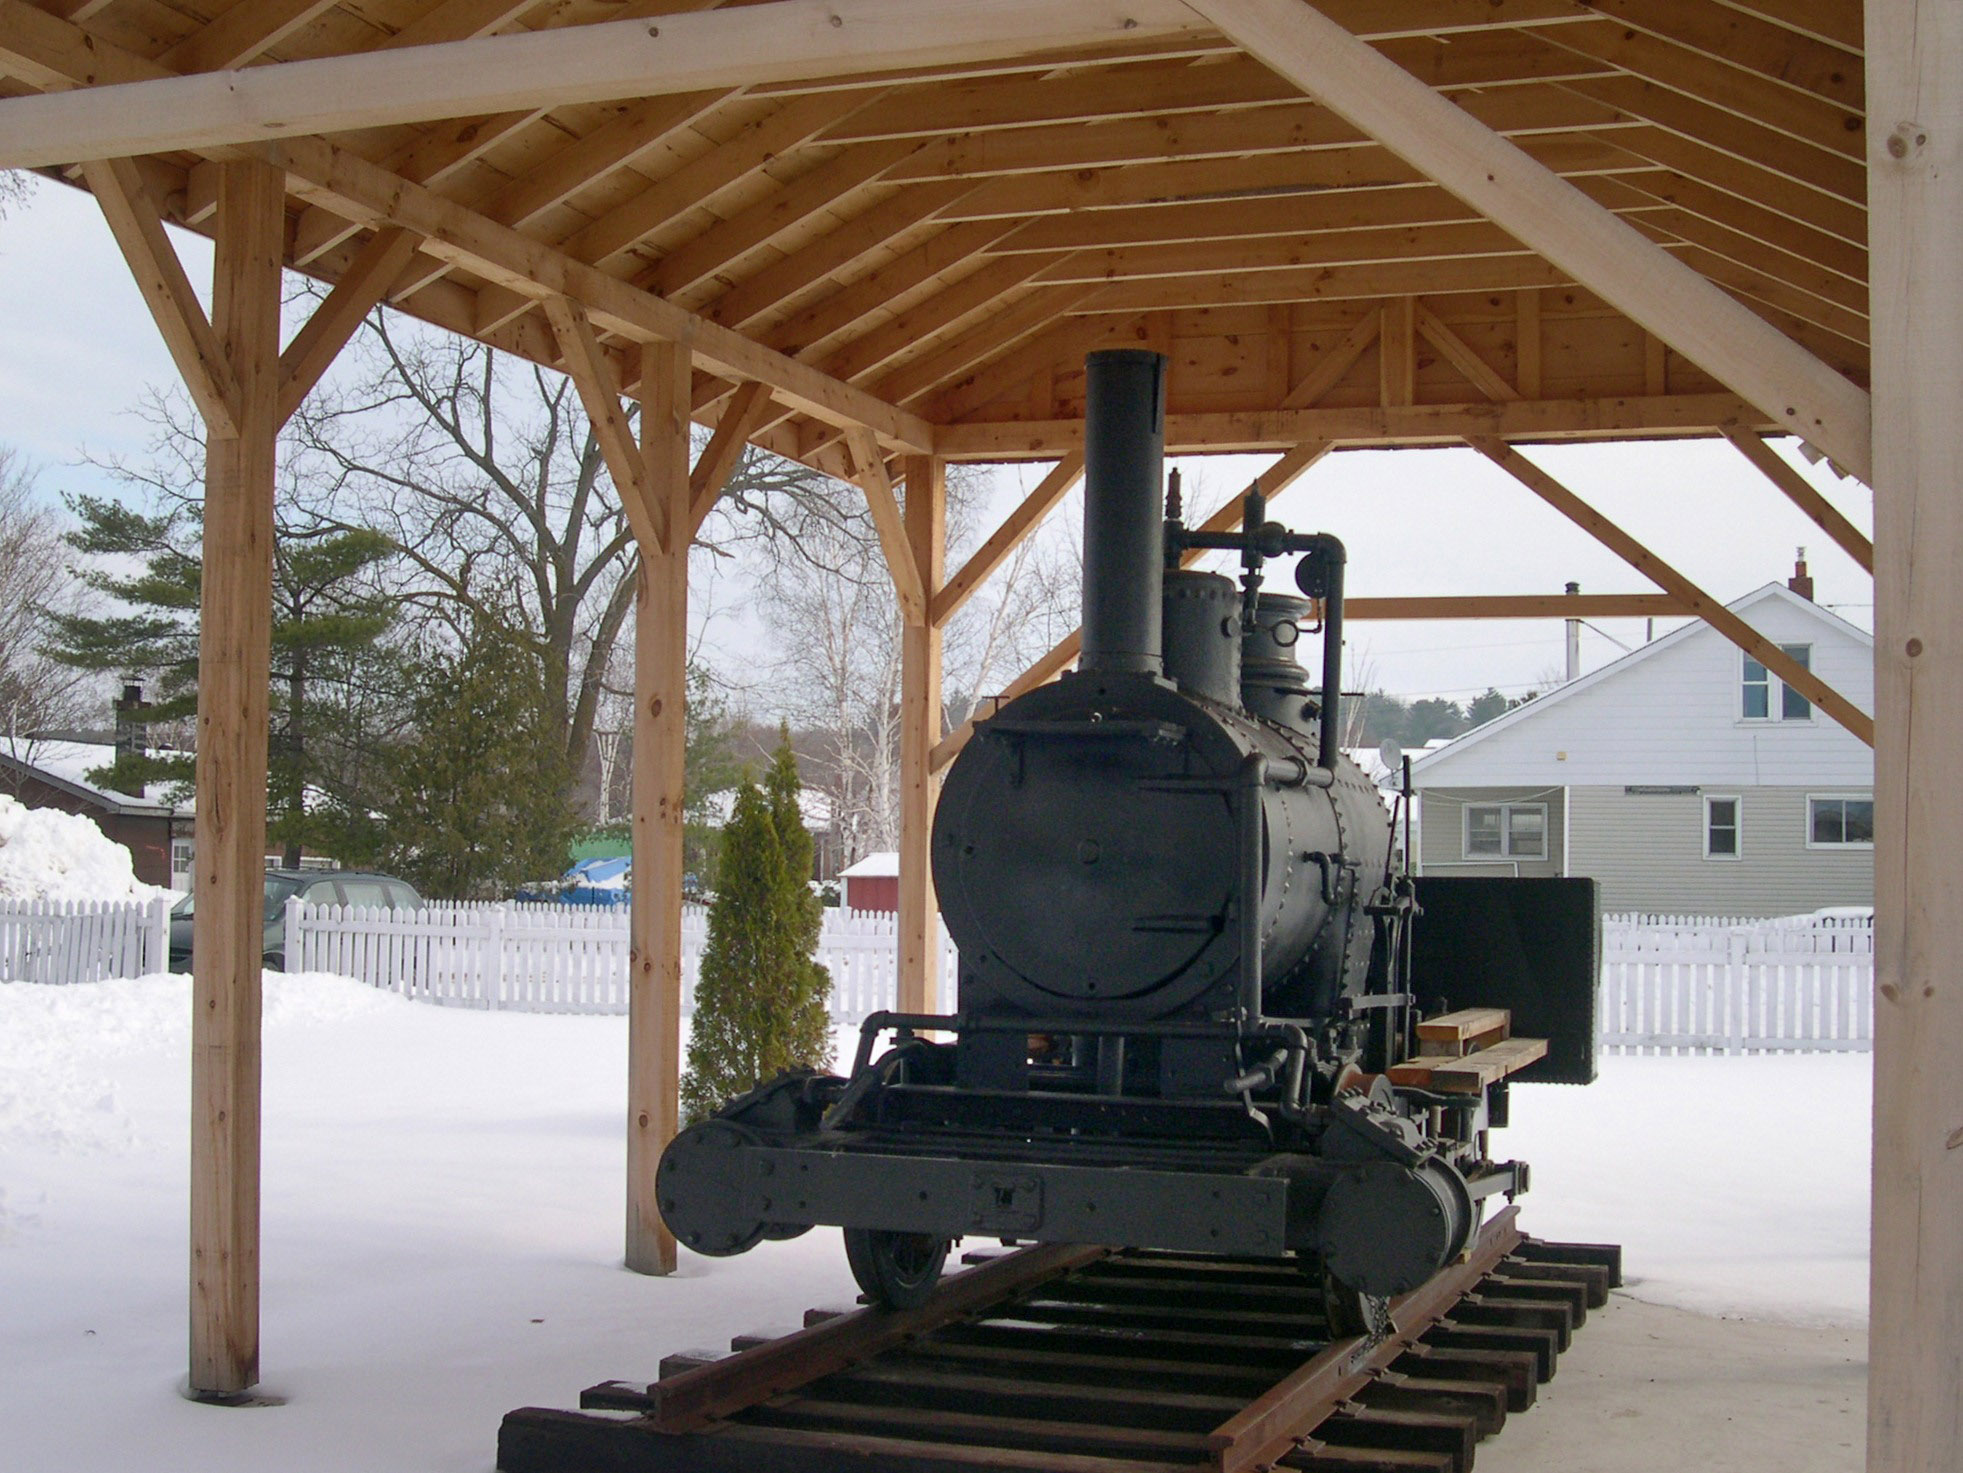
column 442, row 1221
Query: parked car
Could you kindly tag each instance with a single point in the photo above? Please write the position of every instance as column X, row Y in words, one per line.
column 318, row 887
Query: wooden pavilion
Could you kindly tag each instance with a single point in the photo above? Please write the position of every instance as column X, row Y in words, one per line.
column 877, row 236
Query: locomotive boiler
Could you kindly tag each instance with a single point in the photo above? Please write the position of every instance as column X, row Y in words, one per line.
column 1190, row 976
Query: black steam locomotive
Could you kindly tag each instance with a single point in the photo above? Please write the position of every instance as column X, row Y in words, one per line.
column 1190, row 976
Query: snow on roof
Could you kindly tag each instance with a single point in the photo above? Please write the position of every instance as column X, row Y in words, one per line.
column 70, row 762
column 884, row 863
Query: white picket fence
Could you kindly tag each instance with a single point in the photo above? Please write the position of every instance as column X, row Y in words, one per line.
column 559, row 958
column 66, row 941
column 1670, row 983
column 1713, row 984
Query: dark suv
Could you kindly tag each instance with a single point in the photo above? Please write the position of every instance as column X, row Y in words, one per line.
column 315, row 886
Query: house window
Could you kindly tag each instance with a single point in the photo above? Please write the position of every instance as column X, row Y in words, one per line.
column 1765, row 697
column 1720, row 828
column 1506, row 831
column 1838, row 821
column 182, row 856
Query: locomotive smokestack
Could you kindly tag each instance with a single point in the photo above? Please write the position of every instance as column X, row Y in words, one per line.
column 1124, row 513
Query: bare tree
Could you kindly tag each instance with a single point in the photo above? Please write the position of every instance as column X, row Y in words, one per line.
column 484, row 471
column 840, row 665
column 36, row 580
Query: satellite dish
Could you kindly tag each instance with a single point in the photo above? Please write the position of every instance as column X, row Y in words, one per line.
column 1390, row 754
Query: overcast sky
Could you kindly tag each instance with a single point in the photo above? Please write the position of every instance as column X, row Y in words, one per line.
column 78, row 349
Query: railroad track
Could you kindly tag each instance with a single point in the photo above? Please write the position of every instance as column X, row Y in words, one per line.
column 1079, row 1360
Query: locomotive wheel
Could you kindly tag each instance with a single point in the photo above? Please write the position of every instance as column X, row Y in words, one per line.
column 1352, row 1312
column 898, row 1270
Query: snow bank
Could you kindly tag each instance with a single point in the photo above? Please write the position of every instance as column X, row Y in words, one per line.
column 49, row 855
column 442, row 1221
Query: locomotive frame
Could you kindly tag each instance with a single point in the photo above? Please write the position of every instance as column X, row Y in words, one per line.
column 1189, row 992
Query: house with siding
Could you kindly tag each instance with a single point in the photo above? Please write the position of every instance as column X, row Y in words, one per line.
column 1683, row 777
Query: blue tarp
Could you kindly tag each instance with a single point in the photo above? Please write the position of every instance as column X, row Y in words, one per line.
column 590, row 882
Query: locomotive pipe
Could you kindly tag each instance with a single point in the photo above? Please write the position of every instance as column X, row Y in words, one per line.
column 1124, row 525
column 1320, row 575
column 1252, row 777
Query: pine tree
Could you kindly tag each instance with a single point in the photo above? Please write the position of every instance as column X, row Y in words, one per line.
column 328, row 623
column 811, row 1018
column 761, row 1002
column 482, row 794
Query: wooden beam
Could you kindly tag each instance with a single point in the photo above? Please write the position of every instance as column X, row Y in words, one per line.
column 234, row 656
column 1397, row 352
column 1521, row 606
column 1334, row 362
column 1915, row 87
column 895, row 539
column 654, row 989
column 920, row 731
column 525, row 265
column 1709, row 609
column 1803, row 495
column 1536, row 206
column 248, row 29
column 1005, row 539
column 194, row 347
column 1219, row 432
column 593, row 377
column 562, row 66
column 1459, row 353
column 1273, row 481
column 747, row 409
column 361, row 287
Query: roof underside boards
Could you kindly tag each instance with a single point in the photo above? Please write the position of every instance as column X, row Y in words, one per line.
column 951, row 245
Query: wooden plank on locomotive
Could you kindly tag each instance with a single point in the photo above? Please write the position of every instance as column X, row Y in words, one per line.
column 1453, row 1035
column 1472, row 1073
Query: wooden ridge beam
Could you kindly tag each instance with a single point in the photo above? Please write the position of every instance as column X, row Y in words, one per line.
column 1695, row 600
column 870, row 468
column 361, row 287
column 1601, row 252
column 194, row 347
column 593, row 376
column 1803, row 495
column 742, row 416
column 1278, row 477
column 1005, row 539
column 781, row 41
column 1521, row 606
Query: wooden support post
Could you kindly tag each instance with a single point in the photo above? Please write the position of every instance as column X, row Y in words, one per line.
column 1915, row 196
column 920, row 730
column 654, row 998
column 234, row 654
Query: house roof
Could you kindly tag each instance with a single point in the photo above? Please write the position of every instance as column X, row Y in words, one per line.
column 883, row 864
column 1621, row 666
column 65, row 765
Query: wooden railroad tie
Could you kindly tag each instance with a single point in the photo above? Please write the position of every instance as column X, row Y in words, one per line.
column 1076, row 1360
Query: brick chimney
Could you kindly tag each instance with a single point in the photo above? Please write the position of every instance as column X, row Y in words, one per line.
column 132, row 731
column 1802, row 581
